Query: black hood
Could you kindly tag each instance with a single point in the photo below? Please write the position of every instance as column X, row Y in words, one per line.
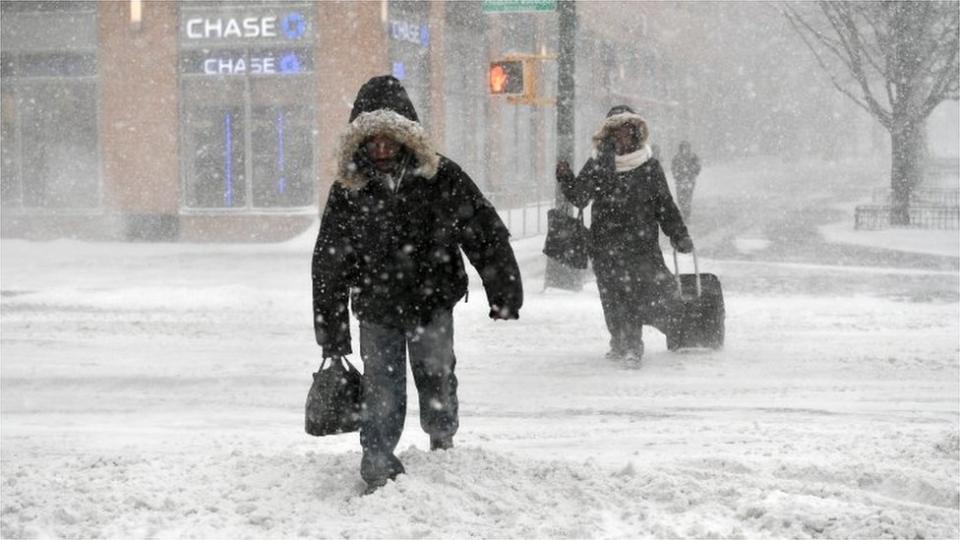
column 620, row 109
column 383, row 92
column 383, row 107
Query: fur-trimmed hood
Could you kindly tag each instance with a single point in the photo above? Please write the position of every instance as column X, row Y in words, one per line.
column 383, row 107
column 386, row 122
column 621, row 116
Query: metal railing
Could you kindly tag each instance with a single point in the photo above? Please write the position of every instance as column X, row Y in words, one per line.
column 524, row 210
column 872, row 217
column 921, row 196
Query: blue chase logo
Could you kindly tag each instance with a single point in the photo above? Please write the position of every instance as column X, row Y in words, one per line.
column 294, row 25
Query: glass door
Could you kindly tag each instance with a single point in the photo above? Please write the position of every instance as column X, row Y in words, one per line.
column 282, row 143
column 214, row 148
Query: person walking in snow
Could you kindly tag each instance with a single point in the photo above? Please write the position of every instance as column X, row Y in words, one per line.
column 631, row 202
column 685, row 168
column 390, row 239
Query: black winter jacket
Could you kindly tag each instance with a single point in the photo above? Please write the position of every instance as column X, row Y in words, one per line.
column 398, row 252
column 628, row 209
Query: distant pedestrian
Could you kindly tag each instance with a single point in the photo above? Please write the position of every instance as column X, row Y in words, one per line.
column 631, row 203
column 685, row 168
column 390, row 243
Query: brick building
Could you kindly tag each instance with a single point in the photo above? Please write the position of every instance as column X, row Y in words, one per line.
column 217, row 120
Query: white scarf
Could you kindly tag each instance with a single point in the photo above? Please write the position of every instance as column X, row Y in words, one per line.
column 628, row 162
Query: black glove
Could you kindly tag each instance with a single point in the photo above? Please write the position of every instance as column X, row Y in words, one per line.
column 683, row 245
column 564, row 172
column 361, row 159
column 498, row 313
column 607, row 154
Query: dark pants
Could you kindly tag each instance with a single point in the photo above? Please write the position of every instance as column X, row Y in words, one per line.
column 633, row 293
column 685, row 196
column 384, row 353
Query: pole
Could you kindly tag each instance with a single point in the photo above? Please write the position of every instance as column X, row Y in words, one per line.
column 556, row 274
column 566, row 88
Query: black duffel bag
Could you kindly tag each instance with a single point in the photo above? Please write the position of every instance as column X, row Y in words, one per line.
column 567, row 238
column 335, row 398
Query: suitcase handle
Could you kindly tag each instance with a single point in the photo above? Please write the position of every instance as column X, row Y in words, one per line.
column 696, row 270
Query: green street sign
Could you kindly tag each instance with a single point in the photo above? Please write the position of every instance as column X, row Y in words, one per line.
column 514, row 6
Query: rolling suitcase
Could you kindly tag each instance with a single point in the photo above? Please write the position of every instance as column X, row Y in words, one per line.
column 697, row 315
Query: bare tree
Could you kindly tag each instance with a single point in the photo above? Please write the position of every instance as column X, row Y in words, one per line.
column 896, row 60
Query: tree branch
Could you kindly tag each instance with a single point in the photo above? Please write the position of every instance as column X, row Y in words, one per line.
column 803, row 28
column 946, row 83
column 868, row 49
column 842, row 21
column 884, row 47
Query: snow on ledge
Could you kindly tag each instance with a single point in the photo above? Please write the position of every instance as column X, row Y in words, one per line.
column 927, row 241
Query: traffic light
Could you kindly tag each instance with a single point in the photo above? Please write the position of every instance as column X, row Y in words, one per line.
column 506, row 77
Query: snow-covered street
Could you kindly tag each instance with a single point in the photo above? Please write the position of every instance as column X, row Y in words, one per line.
column 157, row 390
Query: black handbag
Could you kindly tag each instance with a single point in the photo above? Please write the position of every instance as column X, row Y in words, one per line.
column 567, row 238
column 335, row 398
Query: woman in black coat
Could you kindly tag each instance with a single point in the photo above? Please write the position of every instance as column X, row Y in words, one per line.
column 631, row 203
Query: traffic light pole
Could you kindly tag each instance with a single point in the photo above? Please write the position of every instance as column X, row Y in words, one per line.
column 556, row 274
column 566, row 89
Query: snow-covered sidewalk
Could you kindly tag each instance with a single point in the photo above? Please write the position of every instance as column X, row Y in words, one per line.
column 157, row 391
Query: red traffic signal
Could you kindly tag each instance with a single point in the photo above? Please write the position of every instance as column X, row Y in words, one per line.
column 506, row 77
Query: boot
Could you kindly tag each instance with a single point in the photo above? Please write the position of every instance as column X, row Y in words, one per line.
column 635, row 353
column 617, row 350
column 615, row 354
column 441, row 442
column 378, row 469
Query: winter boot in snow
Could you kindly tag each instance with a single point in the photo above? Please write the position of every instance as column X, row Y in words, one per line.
column 634, row 354
column 441, row 442
column 617, row 350
column 377, row 469
column 615, row 354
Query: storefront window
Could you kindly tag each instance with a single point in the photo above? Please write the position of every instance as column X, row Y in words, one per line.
column 10, row 188
column 50, row 154
column 214, row 153
column 248, row 116
column 217, row 159
column 408, row 40
column 282, row 153
column 59, row 145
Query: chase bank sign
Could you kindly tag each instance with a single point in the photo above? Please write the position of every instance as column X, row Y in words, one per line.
column 418, row 34
column 241, row 40
column 250, row 25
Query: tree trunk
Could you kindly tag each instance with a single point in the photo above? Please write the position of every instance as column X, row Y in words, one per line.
column 906, row 169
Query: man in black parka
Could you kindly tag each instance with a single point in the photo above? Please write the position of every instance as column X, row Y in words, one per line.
column 390, row 239
column 631, row 202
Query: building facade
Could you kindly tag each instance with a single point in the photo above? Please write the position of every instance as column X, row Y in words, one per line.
column 218, row 120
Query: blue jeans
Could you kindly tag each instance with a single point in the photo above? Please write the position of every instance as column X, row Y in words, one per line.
column 432, row 361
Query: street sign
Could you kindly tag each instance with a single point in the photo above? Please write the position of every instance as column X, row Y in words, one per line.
column 515, row 6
